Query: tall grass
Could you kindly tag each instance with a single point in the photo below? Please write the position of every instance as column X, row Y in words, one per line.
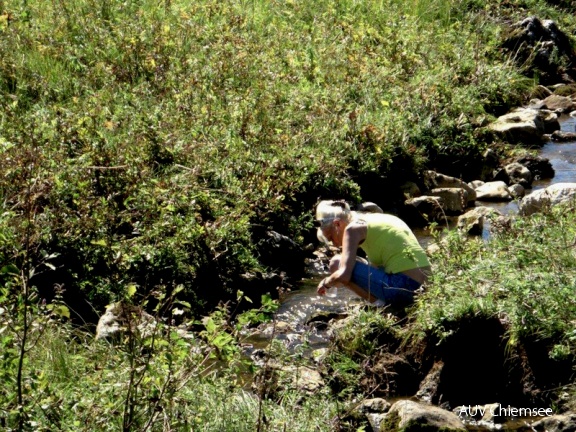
column 148, row 144
column 200, row 122
column 74, row 383
column 526, row 276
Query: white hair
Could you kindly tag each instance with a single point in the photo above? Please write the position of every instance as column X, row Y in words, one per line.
column 333, row 209
column 330, row 210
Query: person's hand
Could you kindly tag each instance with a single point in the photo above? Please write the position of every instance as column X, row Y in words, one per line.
column 322, row 287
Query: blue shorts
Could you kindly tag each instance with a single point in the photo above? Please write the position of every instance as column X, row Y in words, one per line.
column 394, row 289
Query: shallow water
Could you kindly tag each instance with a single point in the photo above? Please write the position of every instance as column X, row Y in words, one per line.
column 302, row 303
column 562, row 156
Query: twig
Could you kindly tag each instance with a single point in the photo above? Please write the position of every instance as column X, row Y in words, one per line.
column 103, row 168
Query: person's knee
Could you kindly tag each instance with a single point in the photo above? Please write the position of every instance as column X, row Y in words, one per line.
column 334, row 264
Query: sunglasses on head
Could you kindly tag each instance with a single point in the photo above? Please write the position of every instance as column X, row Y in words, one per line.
column 341, row 204
column 321, row 222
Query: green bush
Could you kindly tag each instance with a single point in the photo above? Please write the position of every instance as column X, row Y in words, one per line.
column 165, row 136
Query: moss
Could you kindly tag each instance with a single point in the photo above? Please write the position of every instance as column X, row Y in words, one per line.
column 566, row 90
column 417, row 426
column 390, row 422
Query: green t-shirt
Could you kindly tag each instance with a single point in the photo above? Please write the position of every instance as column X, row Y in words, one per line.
column 391, row 244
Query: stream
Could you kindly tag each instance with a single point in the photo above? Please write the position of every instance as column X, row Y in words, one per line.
column 301, row 321
column 302, row 304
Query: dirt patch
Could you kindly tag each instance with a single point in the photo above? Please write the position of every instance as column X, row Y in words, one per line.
column 542, row 376
column 391, row 374
column 476, row 366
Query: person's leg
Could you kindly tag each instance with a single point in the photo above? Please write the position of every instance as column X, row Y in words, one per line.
column 335, row 264
column 394, row 289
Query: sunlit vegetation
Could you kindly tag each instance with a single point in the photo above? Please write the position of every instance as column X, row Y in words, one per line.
column 146, row 145
column 153, row 141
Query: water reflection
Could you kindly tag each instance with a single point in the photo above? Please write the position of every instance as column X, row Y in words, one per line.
column 303, row 304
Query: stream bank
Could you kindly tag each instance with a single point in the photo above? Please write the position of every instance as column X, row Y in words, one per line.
column 432, row 371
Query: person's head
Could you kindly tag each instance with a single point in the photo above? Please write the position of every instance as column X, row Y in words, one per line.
column 331, row 219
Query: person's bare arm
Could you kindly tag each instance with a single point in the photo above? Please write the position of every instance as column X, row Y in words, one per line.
column 354, row 234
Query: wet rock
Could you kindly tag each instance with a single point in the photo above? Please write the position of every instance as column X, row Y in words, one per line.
column 428, row 391
column 316, row 267
column 472, row 222
column 304, row 378
column 563, row 89
column 542, row 49
column 281, row 254
column 490, row 161
column 369, row 207
column 436, row 180
column 558, row 103
column 524, row 125
column 375, row 420
column 476, row 184
column 540, row 167
column 409, row 416
column 491, row 414
column 493, row 191
column 501, row 175
column 559, row 193
column 561, row 136
column 410, row 190
column 536, row 104
column 275, row 378
column 376, row 405
column 557, row 423
column 280, row 330
column 541, row 92
column 281, row 327
column 278, row 327
column 375, row 411
column 321, row 319
column 518, row 174
column 551, row 122
column 517, row 190
column 454, row 200
column 121, row 318
column 423, row 210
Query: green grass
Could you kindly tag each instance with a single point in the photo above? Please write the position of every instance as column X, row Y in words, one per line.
column 162, row 135
column 525, row 276
column 147, row 144
column 165, row 381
